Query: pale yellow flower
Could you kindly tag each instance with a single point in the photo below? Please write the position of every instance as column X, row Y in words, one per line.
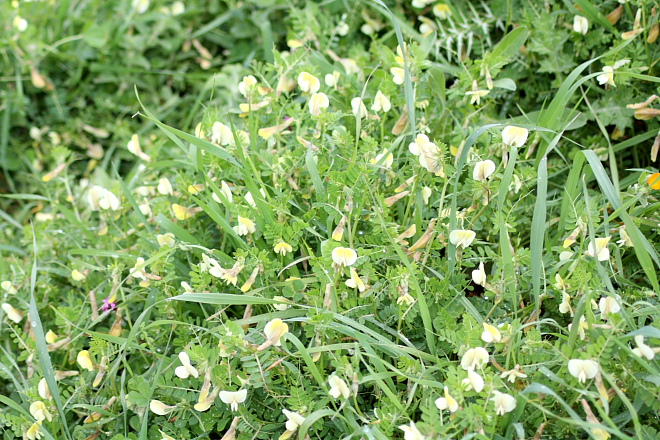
column 387, row 163
column 134, row 147
column 512, row 375
column 12, row 313
column 221, row 134
column 607, row 77
column 514, row 136
column 294, row 420
column 43, row 390
column 608, row 305
column 410, row 432
column 274, row 331
column 479, row 275
column 40, row 412
column 491, row 334
column 20, row 23
column 158, row 407
column 331, row 79
column 442, row 11
column 318, row 102
column 77, row 275
column 381, row 103
column 85, row 360
column 282, row 248
column 166, row 239
column 358, row 107
column 599, row 249
column 247, row 86
column 245, row 226
column 34, row 432
column 474, row 358
column 462, row 237
column 476, row 95
column 165, row 187
column 580, row 24
column 643, row 350
column 308, row 82
column 447, row 402
column 483, row 170
column 343, row 256
column 398, row 75
column 8, row 287
column 355, row 282
column 473, row 381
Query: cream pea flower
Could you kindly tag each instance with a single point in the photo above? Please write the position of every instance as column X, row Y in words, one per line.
column 599, row 249
column 205, row 400
column 186, row 369
column 410, row 432
column 473, row 381
column 355, row 282
column 343, row 256
column 580, row 24
column 608, row 305
column 85, row 360
column 317, row 103
column 281, row 307
column 442, row 11
column 583, row 369
column 141, row 6
column 427, row 152
column 398, row 75
column 133, row 146
column 308, row 82
column 165, row 187
column 514, row 136
column 20, row 23
column 447, row 402
column 607, row 77
column 282, row 248
column 245, row 226
column 8, row 287
column 479, row 275
column 462, row 238
column 331, row 79
column 476, row 95
column 233, row 398
column 381, row 103
column 387, row 163
column 512, row 375
column 338, row 387
column 100, row 198
column 166, row 239
column 221, row 134
column 158, row 407
column 274, row 331
column 358, row 107
column 504, row 403
column 138, row 271
column 35, row 430
column 474, row 358
column 13, row 314
column 40, row 412
column 491, row 334
column 294, row 420
column 426, row 194
column 483, row 170
column 642, row 349
column 77, row 275
column 247, row 86
column 565, row 306
column 43, row 390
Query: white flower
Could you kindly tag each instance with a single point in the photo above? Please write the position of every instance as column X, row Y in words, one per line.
column 343, row 256
column 491, row 334
column 387, row 163
column 419, row 4
column 274, row 331
column 185, row 370
column 109, row 201
column 308, row 82
column 512, row 375
column 318, row 102
column 158, row 407
column 233, row 398
column 381, row 103
column 474, row 358
column 583, row 325
column 608, row 305
column 410, row 432
column 359, row 109
column 134, row 147
column 331, row 79
column 178, row 8
column 247, row 86
column 338, row 387
column 294, row 420
column 141, row 6
column 642, row 349
column 582, row 369
column 565, row 306
column 426, row 194
column 245, row 226
column 565, row 255
column 514, row 136
column 427, row 152
column 462, row 237
column 483, row 170
column 473, row 381
column 580, row 24
column 479, row 275
column 599, row 249
column 221, row 134
column 447, row 402
column 504, row 403
column 43, row 390
column 12, row 313
column 607, row 77
column 398, row 75
column 165, row 187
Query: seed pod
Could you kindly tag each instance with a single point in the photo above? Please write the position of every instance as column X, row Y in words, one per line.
column 614, row 16
column 653, row 33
